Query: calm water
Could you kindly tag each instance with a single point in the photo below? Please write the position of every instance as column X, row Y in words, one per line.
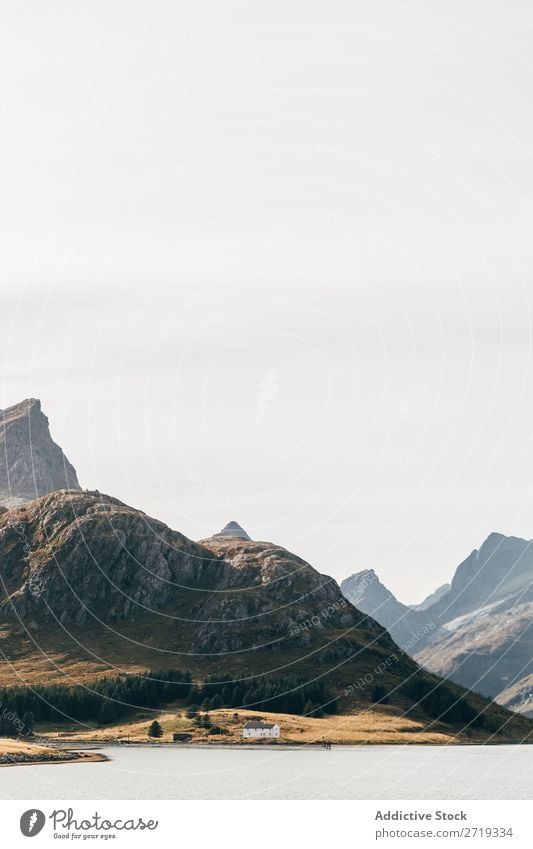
column 385, row 772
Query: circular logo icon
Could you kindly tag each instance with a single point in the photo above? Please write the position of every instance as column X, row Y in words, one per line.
column 32, row 822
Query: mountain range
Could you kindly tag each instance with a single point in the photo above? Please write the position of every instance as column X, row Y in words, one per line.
column 477, row 631
column 91, row 586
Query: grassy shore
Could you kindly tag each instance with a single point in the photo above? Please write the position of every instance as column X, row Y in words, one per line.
column 376, row 726
column 18, row 752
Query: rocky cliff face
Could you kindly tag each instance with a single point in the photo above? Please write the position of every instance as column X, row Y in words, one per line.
column 479, row 633
column 31, row 464
column 80, row 556
column 268, row 586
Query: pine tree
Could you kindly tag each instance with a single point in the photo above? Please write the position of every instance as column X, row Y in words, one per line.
column 28, row 722
column 155, row 729
column 379, row 694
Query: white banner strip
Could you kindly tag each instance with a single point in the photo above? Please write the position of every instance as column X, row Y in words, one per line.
column 264, row 824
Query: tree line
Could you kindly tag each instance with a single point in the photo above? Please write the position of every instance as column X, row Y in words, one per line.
column 113, row 698
column 284, row 694
column 440, row 702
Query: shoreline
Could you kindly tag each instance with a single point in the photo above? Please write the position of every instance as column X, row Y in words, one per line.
column 88, row 755
column 77, row 758
column 290, row 745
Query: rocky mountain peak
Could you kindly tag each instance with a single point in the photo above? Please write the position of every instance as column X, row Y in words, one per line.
column 31, row 463
column 477, row 630
column 366, row 592
column 365, row 585
column 233, row 529
column 502, row 566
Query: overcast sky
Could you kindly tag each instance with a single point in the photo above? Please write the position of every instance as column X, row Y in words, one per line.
column 271, row 262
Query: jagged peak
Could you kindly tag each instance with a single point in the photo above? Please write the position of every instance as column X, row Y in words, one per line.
column 25, row 404
column 495, row 539
column 31, row 463
column 20, row 410
column 368, row 574
column 233, row 529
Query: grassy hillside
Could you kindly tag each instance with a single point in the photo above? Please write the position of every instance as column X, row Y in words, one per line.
column 377, row 725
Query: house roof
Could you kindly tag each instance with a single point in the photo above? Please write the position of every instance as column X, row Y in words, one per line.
column 254, row 723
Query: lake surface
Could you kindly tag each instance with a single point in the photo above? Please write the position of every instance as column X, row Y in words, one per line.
column 364, row 772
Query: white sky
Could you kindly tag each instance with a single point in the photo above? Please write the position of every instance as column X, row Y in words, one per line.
column 271, row 262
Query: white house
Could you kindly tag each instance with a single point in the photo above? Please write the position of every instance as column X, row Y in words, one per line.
column 254, row 728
